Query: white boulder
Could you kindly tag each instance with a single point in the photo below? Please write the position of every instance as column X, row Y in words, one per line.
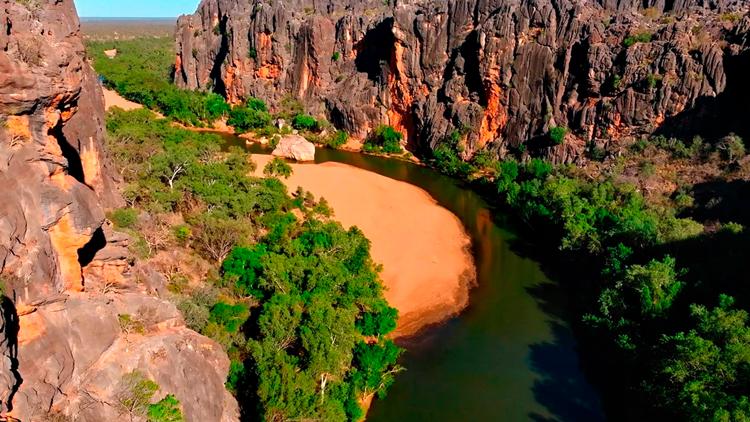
column 296, row 148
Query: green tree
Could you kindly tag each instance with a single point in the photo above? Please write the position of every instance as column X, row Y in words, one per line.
column 384, row 139
column 704, row 371
column 167, row 409
column 245, row 119
column 305, row 122
column 277, row 167
column 134, row 393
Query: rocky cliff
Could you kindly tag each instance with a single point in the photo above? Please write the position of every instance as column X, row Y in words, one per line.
column 502, row 72
column 66, row 276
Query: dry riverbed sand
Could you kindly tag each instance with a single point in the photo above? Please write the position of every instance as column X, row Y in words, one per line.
column 425, row 252
column 113, row 99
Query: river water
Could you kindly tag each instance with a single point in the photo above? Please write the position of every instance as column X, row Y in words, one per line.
column 511, row 355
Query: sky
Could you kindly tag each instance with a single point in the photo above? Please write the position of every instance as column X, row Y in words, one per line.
column 135, row 8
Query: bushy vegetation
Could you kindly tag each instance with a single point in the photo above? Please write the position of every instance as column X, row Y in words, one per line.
column 278, row 168
column 557, row 134
column 253, row 115
column 638, row 37
column 446, row 158
column 305, row 122
column 297, row 301
column 142, row 72
column 134, row 395
column 316, row 283
column 384, row 139
column 670, row 345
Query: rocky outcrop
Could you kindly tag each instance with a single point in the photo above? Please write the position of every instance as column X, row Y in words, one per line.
column 503, row 73
column 65, row 275
column 295, row 147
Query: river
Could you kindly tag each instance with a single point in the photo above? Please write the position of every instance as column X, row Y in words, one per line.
column 511, row 355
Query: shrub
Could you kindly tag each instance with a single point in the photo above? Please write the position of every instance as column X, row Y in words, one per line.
column 305, row 122
column 731, row 147
column 252, row 53
column 134, row 393
column 384, row 139
column 732, row 227
column 653, row 80
column 244, row 119
column 639, row 37
column 256, row 104
column 338, row 139
column 278, row 168
column 196, row 316
column 124, row 218
column 167, row 409
column 336, row 56
column 446, row 157
column 557, row 134
column 182, row 233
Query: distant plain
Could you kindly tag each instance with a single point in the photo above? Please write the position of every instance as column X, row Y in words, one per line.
column 126, row 28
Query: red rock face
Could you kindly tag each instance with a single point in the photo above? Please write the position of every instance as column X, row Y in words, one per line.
column 510, row 70
column 65, row 274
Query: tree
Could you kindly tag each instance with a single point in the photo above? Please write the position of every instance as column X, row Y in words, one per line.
column 215, row 236
column 134, row 393
column 278, row 167
column 381, row 320
column 731, row 147
column 557, row 134
column 167, row 409
column 384, row 139
column 244, row 119
column 703, row 375
column 305, row 122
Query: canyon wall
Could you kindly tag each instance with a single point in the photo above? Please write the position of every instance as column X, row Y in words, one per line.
column 67, row 278
column 501, row 72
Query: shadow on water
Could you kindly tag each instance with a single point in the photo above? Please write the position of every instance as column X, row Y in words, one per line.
column 511, row 355
column 557, row 365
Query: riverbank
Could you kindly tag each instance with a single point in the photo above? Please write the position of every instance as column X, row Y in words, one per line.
column 428, row 269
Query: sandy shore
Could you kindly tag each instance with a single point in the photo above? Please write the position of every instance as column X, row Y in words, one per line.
column 427, row 266
column 113, row 99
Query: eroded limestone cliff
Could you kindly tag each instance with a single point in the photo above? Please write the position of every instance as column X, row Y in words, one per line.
column 66, row 275
column 501, row 72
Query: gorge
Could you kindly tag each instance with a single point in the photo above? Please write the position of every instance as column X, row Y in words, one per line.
column 154, row 268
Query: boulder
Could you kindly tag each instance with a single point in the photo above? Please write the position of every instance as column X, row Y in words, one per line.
column 296, row 148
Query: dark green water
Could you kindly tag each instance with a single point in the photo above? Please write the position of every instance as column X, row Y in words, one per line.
column 511, row 355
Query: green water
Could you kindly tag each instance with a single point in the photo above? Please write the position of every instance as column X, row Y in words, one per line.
column 511, row 355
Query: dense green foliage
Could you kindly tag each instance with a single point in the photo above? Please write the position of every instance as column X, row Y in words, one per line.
column 338, row 139
column 316, row 283
column 305, row 122
column 446, row 158
column 676, row 368
column 248, row 117
column 384, row 139
column 587, row 216
column 142, row 72
column 165, row 410
column 557, row 134
column 666, row 348
column 278, row 168
column 298, row 305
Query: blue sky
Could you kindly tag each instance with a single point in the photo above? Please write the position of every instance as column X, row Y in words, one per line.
column 135, row 8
